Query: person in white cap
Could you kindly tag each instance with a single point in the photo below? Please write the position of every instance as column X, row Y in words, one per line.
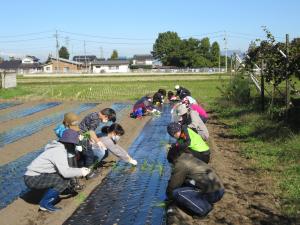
column 182, row 92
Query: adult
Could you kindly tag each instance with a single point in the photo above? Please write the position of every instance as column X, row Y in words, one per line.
column 191, row 119
column 189, row 141
column 51, row 171
column 193, row 186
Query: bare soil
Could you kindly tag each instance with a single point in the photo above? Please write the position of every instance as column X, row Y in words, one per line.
column 248, row 195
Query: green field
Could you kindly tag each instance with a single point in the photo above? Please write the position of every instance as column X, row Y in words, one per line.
column 272, row 145
column 108, row 88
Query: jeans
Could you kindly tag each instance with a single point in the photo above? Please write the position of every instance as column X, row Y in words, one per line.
column 195, row 202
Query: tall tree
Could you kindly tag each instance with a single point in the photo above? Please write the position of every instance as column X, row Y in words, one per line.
column 63, row 53
column 215, row 53
column 205, row 47
column 167, row 48
column 114, row 54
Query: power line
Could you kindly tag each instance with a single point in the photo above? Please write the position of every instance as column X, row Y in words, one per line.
column 27, row 34
column 25, row 40
column 105, row 37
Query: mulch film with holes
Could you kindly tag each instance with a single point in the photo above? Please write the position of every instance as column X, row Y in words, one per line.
column 132, row 195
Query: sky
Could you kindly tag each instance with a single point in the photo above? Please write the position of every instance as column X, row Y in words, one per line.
column 131, row 27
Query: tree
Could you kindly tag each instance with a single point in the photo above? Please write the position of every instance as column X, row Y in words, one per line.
column 205, row 47
column 114, row 54
column 215, row 53
column 63, row 53
column 167, row 48
column 1, row 59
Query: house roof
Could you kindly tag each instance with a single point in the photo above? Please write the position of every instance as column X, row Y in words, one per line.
column 30, row 65
column 111, row 62
column 12, row 64
column 32, row 57
column 63, row 60
column 83, row 58
column 143, row 57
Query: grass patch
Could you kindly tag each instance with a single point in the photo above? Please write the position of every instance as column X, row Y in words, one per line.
column 272, row 145
column 14, row 92
column 204, row 90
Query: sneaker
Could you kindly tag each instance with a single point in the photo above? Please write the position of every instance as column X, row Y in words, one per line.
column 91, row 175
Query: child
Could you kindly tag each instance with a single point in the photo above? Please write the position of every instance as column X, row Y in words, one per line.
column 158, row 97
column 113, row 134
column 189, row 141
column 143, row 107
column 172, row 97
column 88, row 125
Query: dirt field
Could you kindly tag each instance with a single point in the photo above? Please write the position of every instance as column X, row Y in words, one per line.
column 247, row 199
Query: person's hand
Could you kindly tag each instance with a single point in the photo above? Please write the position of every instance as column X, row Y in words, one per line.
column 101, row 145
column 78, row 148
column 85, row 171
column 133, row 161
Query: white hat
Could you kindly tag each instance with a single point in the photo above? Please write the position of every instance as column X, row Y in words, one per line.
column 177, row 87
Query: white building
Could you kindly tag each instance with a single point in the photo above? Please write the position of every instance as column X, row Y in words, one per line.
column 142, row 60
column 110, row 66
column 30, row 64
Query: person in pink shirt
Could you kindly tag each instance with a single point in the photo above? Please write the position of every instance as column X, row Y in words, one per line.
column 193, row 105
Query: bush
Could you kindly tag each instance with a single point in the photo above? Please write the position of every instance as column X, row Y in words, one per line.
column 237, row 90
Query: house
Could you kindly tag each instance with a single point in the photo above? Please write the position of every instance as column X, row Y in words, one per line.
column 30, row 64
column 141, row 61
column 60, row 65
column 110, row 66
column 85, row 59
column 11, row 66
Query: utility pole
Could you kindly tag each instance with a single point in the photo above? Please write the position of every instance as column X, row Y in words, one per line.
column 84, row 55
column 57, row 46
column 225, row 39
column 101, row 52
column 219, row 61
column 287, row 81
column 231, row 66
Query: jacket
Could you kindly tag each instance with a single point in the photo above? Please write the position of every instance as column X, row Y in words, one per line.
column 187, row 168
column 54, row 159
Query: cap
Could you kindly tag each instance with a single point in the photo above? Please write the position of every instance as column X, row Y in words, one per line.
column 173, row 128
column 177, row 87
column 70, row 136
column 71, row 120
column 181, row 109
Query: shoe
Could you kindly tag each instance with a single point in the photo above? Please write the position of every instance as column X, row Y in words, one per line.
column 91, row 175
column 48, row 201
column 69, row 192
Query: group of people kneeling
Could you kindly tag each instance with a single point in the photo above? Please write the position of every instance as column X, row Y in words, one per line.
column 76, row 153
column 194, row 186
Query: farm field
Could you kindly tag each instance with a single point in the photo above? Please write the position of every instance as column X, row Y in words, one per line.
column 252, row 196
